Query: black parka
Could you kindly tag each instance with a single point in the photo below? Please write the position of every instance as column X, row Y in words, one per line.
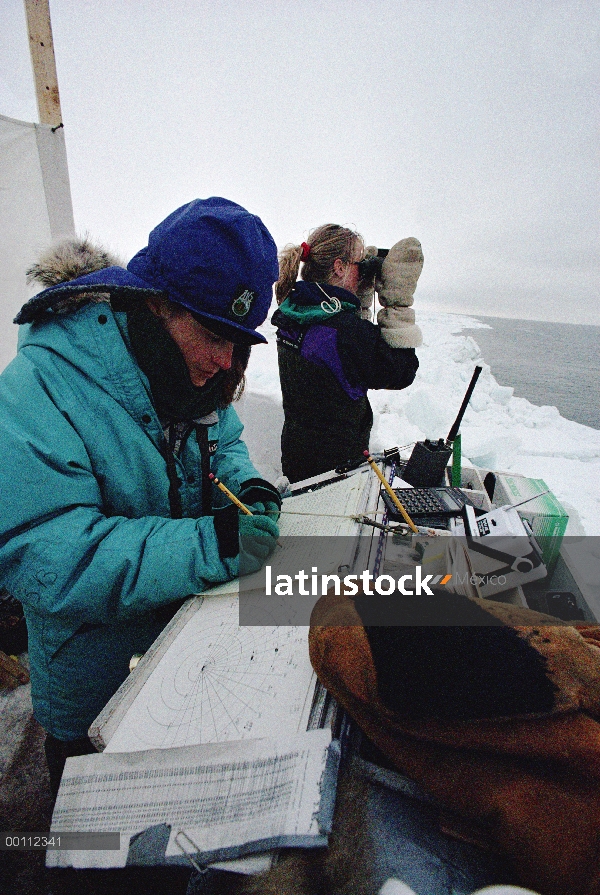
column 328, row 359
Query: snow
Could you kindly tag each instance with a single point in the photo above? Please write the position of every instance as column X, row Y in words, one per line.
column 499, row 431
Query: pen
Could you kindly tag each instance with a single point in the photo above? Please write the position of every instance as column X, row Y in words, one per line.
column 391, row 492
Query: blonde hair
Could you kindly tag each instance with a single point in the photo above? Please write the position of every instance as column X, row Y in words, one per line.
column 325, row 243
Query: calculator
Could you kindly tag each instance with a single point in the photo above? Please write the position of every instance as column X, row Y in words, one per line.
column 427, row 505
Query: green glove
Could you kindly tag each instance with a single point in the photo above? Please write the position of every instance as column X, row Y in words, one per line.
column 261, row 498
column 265, row 508
column 258, row 539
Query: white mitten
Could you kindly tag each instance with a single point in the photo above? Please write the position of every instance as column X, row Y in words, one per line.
column 366, row 291
column 395, row 287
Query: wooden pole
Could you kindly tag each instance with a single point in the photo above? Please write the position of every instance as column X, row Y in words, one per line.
column 41, row 48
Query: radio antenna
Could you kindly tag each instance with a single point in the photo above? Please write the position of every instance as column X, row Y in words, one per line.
column 456, row 426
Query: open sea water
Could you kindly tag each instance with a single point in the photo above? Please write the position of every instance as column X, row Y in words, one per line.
column 547, row 363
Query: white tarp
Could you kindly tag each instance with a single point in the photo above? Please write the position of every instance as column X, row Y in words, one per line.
column 35, row 211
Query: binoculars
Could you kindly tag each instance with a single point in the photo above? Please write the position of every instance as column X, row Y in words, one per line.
column 370, row 266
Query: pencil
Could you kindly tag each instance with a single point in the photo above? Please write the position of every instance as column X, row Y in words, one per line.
column 231, row 496
column 390, row 491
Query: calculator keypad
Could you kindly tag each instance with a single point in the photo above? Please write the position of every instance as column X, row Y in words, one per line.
column 426, row 502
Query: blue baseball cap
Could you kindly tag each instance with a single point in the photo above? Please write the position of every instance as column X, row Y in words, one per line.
column 218, row 261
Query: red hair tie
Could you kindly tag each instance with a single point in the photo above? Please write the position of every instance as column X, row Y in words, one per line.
column 305, row 251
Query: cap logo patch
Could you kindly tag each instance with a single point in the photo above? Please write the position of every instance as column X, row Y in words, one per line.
column 241, row 304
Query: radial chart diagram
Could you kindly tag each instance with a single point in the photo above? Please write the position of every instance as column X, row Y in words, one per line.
column 220, row 681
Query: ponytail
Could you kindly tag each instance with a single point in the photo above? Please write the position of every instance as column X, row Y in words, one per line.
column 317, row 255
column 289, row 264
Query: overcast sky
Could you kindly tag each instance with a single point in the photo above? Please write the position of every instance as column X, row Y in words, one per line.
column 470, row 125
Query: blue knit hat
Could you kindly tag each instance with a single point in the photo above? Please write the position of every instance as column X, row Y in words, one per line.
column 218, row 261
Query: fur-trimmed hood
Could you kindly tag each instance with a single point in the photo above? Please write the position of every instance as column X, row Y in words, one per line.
column 75, row 272
column 68, row 260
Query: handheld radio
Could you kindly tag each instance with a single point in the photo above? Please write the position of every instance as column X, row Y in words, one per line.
column 426, row 464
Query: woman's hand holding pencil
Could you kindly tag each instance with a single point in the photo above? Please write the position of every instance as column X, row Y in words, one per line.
column 257, row 532
column 229, row 494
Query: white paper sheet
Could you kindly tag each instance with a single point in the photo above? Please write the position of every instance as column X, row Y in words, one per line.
column 223, row 796
column 219, row 682
column 328, row 510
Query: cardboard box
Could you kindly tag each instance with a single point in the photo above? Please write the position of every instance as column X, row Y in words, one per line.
column 471, row 478
column 472, row 485
column 545, row 514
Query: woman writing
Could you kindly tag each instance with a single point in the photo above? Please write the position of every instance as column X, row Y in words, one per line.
column 329, row 356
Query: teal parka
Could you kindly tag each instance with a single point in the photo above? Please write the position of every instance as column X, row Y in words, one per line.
column 87, row 542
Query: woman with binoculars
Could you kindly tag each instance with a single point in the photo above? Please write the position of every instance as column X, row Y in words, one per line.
column 329, row 354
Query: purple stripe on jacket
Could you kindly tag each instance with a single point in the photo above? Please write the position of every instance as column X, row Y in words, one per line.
column 320, row 347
